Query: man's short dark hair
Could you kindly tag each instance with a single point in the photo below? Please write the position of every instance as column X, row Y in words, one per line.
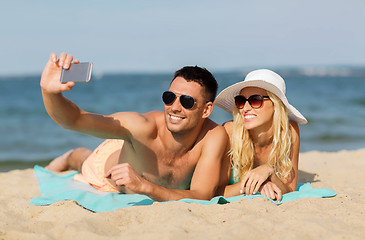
column 201, row 76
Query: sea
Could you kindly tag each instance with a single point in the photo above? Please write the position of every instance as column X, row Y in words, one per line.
column 331, row 98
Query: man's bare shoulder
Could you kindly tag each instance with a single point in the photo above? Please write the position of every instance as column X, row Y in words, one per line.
column 214, row 142
column 139, row 117
column 212, row 130
column 140, row 124
column 153, row 115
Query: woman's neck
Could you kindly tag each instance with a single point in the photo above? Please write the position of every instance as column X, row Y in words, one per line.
column 262, row 146
column 262, row 138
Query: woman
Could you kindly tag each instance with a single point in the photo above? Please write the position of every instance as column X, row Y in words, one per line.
column 264, row 136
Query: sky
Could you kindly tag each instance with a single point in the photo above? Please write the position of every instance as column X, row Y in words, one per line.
column 162, row 36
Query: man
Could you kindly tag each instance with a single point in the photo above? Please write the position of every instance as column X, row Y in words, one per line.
column 167, row 155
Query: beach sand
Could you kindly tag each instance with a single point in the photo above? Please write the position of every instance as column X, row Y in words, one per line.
column 340, row 217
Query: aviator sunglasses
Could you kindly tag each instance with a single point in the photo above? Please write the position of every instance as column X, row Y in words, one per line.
column 255, row 101
column 186, row 101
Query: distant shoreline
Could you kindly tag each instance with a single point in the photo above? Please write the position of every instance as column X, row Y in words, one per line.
column 286, row 71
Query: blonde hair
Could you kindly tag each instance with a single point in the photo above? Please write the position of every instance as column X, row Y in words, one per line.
column 242, row 148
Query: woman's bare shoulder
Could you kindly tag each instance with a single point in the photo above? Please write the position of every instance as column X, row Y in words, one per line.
column 228, row 126
column 294, row 129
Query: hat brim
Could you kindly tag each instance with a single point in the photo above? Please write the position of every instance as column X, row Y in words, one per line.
column 225, row 98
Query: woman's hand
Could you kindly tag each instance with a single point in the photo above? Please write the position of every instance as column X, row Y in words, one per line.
column 254, row 178
column 270, row 190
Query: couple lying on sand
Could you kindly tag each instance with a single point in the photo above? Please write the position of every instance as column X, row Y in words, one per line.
column 181, row 153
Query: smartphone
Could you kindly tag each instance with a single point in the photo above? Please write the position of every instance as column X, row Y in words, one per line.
column 80, row 72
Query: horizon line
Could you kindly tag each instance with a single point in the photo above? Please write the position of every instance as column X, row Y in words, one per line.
column 312, row 68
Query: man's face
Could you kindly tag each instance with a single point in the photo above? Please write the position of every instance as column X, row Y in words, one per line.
column 179, row 119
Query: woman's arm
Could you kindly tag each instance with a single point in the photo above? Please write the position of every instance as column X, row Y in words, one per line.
column 255, row 178
column 232, row 190
column 292, row 180
column 289, row 184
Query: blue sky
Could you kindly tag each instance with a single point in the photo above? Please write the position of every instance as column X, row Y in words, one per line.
column 155, row 36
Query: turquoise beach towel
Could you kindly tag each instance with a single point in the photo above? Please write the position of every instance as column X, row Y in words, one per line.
column 56, row 187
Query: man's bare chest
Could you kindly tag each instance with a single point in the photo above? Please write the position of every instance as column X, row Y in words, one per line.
column 171, row 171
column 161, row 166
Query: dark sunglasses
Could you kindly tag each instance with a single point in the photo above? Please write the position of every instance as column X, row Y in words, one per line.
column 186, row 101
column 255, row 101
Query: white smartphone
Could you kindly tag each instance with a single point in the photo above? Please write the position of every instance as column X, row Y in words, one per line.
column 80, row 72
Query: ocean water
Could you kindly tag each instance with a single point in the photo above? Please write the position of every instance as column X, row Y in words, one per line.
column 332, row 99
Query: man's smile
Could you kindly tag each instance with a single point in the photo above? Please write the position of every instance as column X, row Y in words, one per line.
column 175, row 118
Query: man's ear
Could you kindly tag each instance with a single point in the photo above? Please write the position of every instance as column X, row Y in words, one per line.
column 208, row 110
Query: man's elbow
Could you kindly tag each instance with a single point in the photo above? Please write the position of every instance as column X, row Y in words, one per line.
column 68, row 127
column 69, row 124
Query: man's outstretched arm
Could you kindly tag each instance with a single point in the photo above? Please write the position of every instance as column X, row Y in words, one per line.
column 60, row 109
column 68, row 115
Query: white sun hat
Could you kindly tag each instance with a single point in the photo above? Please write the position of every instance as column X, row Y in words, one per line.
column 264, row 79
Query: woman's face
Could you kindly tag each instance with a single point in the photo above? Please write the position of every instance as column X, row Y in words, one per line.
column 257, row 118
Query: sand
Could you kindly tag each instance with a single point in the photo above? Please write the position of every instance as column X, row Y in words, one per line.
column 340, row 217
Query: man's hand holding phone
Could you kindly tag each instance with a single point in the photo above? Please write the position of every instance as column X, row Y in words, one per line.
column 64, row 69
